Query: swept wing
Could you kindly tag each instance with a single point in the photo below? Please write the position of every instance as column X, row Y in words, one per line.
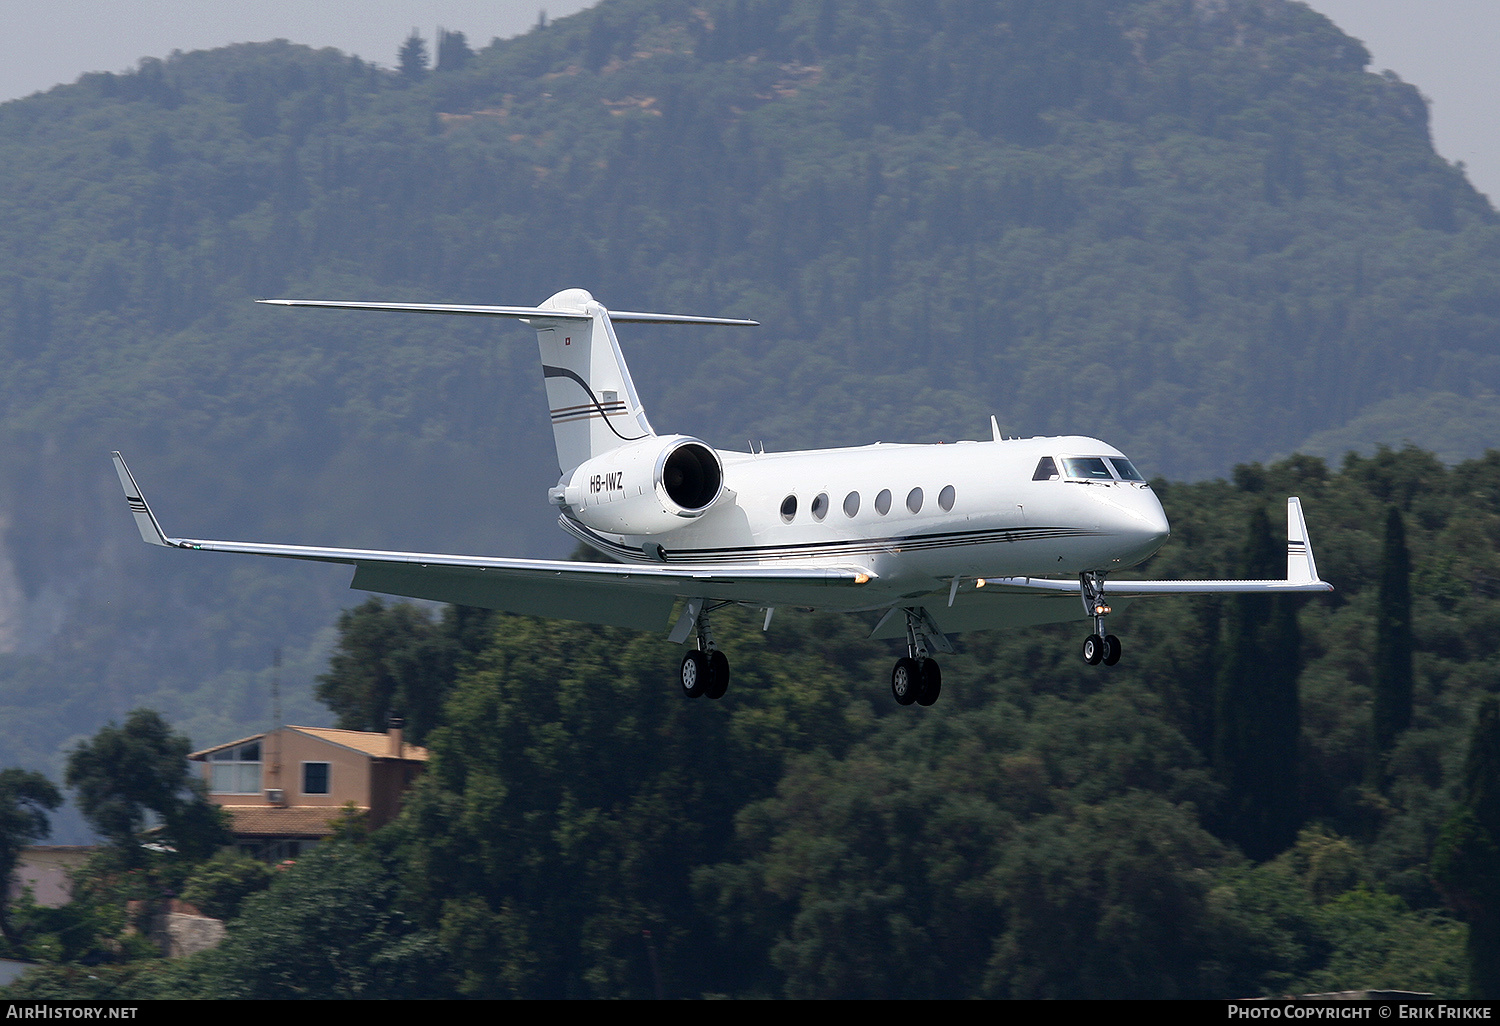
column 620, row 595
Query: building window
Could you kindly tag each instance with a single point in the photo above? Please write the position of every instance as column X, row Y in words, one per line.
column 235, row 770
column 315, row 778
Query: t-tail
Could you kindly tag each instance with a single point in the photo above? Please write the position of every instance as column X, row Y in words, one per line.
column 590, row 396
column 592, row 401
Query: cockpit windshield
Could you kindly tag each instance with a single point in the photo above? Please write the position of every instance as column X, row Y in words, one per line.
column 1087, row 468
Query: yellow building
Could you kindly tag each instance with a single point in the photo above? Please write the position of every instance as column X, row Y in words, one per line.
column 283, row 787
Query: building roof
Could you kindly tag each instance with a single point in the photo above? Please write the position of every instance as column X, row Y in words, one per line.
column 271, row 821
column 376, row 746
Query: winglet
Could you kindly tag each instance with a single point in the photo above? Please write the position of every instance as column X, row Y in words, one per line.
column 145, row 520
column 1301, row 568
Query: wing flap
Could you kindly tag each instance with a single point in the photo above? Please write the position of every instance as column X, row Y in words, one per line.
column 615, row 604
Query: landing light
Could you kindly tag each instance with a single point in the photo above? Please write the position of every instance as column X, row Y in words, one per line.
column 1101, row 610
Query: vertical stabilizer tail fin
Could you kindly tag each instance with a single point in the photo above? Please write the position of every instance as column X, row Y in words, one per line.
column 593, row 402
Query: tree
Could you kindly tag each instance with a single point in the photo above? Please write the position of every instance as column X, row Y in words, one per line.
column 124, row 773
column 218, row 886
column 412, row 58
column 25, row 800
column 327, row 927
column 393, row 660
column 1257, row 720
column 452, row 50
column 1393, row 638
column 1466, row 862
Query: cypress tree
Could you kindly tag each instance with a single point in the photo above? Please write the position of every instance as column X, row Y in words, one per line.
column 1393, row 639
column 1466, row 862
column 412, row 57
column 1257, row 713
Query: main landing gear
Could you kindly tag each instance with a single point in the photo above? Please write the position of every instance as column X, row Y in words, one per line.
column 1098, row 647
column 705, row 670
column 916, row 677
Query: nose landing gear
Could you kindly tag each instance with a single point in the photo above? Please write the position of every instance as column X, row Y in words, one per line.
column 1098, row 647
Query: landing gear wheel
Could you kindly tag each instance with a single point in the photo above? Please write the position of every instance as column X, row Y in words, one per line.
column 718, row 675
column 931, row 682
column 695, row 673
column 1093, row 649
column 1111, row 650
column 906, row 680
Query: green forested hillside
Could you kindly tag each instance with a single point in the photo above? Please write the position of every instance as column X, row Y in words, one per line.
column 1202, row 231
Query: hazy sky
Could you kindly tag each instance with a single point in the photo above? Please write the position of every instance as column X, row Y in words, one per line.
column 1444, row 47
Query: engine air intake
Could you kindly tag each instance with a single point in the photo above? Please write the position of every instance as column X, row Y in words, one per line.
column 692, row 476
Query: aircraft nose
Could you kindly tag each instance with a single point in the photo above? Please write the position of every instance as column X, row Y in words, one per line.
column 1141, row 523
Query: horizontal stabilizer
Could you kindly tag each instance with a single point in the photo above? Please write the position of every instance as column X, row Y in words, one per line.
column 518, row 312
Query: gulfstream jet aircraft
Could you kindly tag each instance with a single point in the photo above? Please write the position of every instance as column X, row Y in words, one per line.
column 928, row 539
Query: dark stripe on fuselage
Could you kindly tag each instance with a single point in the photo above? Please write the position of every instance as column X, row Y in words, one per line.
column 843, row 548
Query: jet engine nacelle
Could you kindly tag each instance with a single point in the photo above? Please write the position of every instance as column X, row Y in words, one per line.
column 647, row 486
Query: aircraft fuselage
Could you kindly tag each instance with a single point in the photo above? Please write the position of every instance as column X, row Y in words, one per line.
column 911, row 514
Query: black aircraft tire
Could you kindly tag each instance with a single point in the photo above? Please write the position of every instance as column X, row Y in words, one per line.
column 694, row 673
column 1111, row 650
column 1093, row 649
column 932, row 682
column 718, row 675
column 905, row 681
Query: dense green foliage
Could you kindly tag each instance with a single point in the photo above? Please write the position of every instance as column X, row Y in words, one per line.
column 394, row 657
column 1257, row 712
column 25, row 800
column 1391, row 711
column 221, row 883
column 125, row 776
column 1467, row 861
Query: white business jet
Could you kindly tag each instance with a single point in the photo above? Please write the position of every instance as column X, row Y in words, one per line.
column 930, row 539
